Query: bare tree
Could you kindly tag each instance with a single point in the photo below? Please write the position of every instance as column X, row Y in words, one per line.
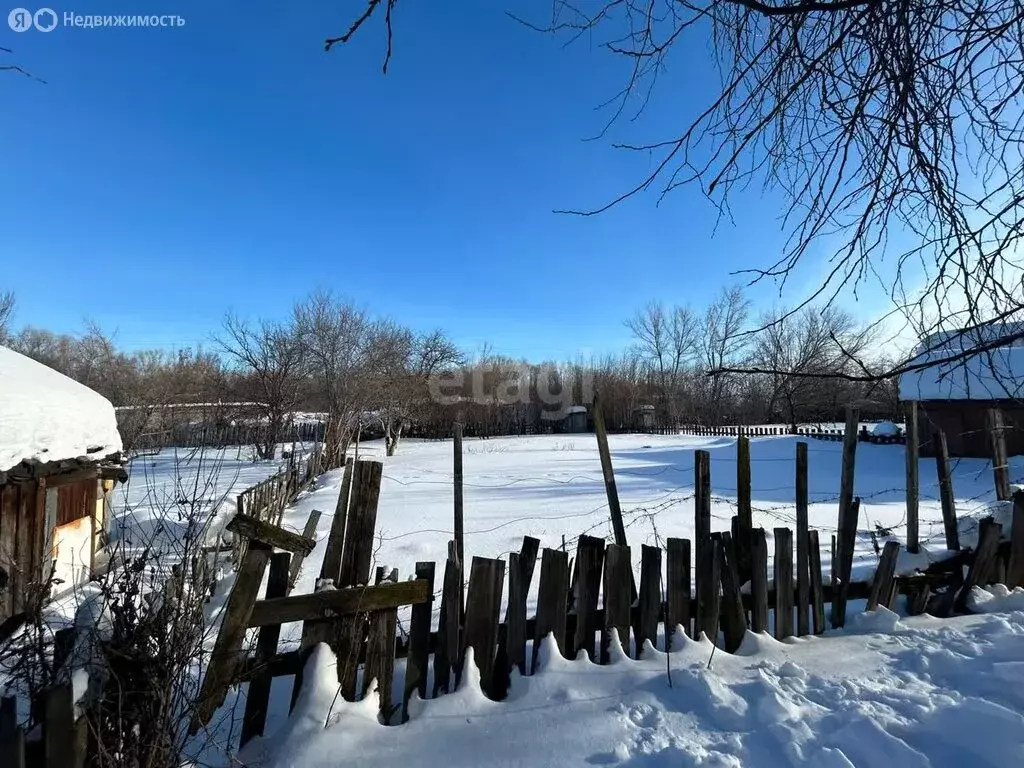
column 893, row 129
column 723, row 343
column 333, row 335
column 400, row 364
column 6, row 312
column 802, row 351
column 271, row 357
column 668, row 342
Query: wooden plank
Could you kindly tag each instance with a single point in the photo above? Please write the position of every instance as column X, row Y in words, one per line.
column 60, row 745
column 745, row 522
column 912, row 452
column 8, row 546
column 844, row 554
column 308, row 532
column 528, row 560
column 270, row 535
column 448, row 639
column 759, row 581
column 846, row 540
column 483, row 606
column 617, row 578
column 646, row 627
column 803, row 587
column 552, row 595
column 516, row 615
column 946, row 491
column 419, row 641
column 881, row 585
column 702, row 530
column 817, row 593
column 380, row 657
column 257, row 699
column 22, row 551
column 677, row 599
column 733, row 618
column 989, row 532
column 609, row 475
column 783, row 578
column 457, row 489
column 708, row 581
column 1000, row 464
column 335, row 548
column 362, row 522
column 338, row 602
column 1015, row 569
column 12, row 736
column 226, row 654
column 589, row 560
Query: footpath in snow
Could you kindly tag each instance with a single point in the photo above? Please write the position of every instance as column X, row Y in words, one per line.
column 886, row 692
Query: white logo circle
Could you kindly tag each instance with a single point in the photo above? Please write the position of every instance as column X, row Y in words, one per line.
column 20, row 19
column 45, row 20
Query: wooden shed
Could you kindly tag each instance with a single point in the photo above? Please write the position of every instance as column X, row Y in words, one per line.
column 958, row 396
column 60, row 457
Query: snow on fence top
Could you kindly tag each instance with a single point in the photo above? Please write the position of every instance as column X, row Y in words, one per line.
column 45, row 416
column 995, row 374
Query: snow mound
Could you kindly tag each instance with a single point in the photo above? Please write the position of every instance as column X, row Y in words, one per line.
column 45, row 416
column 886, row 429
column 995, row 599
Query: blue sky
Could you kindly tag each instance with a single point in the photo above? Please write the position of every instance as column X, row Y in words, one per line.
column 163, row 176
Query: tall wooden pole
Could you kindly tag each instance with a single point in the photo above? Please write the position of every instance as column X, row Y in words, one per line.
column 609, row 474
column 913, row 482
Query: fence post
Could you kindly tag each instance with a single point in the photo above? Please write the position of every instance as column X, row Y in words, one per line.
column 609, row 474
column 817, row 594
column 460, row 550
column 847, row 538
column 258, row 698
column 746, row 520
column 846, row 481
column 997, row 439
column 913, row 483
column 1015, row 570
column 677, row 599
column 783, row 583
column 946, row 491
column 802, row 567
column 702, row 530
column 759, row 581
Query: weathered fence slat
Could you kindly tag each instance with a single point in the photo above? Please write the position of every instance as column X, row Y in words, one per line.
column 677, row 599
column 12, row 736
column 759, row 581
column 946, row 491
column 226, row 654
column 617, row 570
column 881, row 585
column 1000, row 467
column 64, row 743
column 1015, row 569
column 744, row 511
column 337, row 602
column 589, row 561
column 650, row 597
column 817, row 592
column 913, row 484
column 380, row 656
column 989, row 532
column 308, row 532
column 783, row 583
column 702, row 541
column 419, row 641
column 270, row 535
column 258, row 698
column 331, row 567
column 734, row 621
column 708, row 582
column 553, row 591
column 803, row 593
column 448, row 635
column 844, row 548
column 844, row 551
column 483, row 606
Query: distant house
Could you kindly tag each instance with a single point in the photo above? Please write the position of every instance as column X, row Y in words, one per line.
column 575, row 419
column 60, row 456
column 644, row 418
column 955, row 396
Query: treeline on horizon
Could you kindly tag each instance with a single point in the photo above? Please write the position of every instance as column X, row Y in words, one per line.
column 372, row 374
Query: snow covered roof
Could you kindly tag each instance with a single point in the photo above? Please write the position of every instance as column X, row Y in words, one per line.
column 996, row 374
column 47, row 417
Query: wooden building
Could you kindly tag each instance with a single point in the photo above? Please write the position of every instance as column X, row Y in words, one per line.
column 60, row 457
column 957, row 396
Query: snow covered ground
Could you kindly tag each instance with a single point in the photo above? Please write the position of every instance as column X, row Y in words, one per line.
column 886, row 692
column 551, row 486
